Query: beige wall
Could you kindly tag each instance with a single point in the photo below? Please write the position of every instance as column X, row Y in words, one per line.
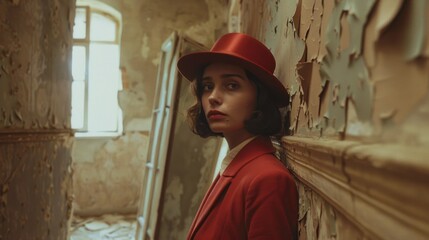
column 35, row 136
column 107, row 171
column 358, row 74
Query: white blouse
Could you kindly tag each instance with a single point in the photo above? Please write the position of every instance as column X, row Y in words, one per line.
column 232, row 153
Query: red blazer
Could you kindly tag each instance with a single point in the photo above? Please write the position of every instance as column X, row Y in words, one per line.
column 255, row 198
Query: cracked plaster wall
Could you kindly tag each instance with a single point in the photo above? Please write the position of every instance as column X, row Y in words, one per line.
column 35, row 142
column 355, row 70
column 189, row 166
column 108, row 171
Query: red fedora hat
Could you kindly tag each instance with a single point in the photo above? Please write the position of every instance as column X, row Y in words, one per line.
column 243, row 50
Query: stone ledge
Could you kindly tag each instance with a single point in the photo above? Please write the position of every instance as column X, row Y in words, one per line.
column 382, row 188
column 34, row 135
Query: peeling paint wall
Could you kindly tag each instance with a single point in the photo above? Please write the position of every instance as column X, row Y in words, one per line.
column 353, row 68
column 35, row 142
column 319, row 220
column 108, row 171
column 356, row 70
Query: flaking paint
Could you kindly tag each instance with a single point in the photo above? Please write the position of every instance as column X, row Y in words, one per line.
column 354, row 70
column 35, row 135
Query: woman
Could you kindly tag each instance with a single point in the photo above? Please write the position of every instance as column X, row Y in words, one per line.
column 254, row 196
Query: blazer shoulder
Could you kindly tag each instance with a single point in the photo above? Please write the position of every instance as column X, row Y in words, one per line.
column 266, row 165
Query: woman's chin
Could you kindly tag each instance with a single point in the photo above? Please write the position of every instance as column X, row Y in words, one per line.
column 218, row 131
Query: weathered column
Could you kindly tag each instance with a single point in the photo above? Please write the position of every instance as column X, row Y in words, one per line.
column 35, row 135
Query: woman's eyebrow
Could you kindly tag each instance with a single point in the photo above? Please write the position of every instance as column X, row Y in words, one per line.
column 228, row 75
column 208, row 78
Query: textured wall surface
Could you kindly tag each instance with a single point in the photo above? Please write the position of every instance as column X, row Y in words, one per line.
column 356, row 70
column 319, row 220
column 35, row 142
column 107, row 175
column 35, row 51
column 108, row 171
column 189, row 166
column 36, row 193
column 353, row 68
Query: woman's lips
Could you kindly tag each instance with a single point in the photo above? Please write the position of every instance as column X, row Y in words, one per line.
column 215, row 115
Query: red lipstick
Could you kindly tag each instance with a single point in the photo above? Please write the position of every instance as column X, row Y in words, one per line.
column 215, row 115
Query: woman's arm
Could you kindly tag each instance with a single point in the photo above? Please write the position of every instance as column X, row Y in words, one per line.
column 272, row 207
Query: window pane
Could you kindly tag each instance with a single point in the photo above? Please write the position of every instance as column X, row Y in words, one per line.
column 102, row 28
column 79, row 29
column 78, row 104
column 79, row 63
column 103, row 87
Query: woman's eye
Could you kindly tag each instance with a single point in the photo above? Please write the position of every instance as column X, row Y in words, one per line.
column 232, row 86
column 207, row 87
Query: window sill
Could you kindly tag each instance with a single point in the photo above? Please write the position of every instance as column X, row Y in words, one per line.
column 97, row 134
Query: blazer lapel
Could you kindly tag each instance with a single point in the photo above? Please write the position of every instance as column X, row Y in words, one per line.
column 218, row 187
column 255, row 148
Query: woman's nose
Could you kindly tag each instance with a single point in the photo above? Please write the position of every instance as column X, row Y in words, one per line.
column 215, row 97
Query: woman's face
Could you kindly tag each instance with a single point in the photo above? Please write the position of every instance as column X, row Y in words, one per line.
column 228, row 98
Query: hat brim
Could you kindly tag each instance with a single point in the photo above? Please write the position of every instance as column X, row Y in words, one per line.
column 192, row 64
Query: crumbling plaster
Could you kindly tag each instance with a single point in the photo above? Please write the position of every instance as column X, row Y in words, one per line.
column 319, row 220
column 34, row 45
column 107, row 176
column 141, row 43
column 346, row 63
column 357, row 72
column 35, row 136
column 35, row 186
column 112, row 167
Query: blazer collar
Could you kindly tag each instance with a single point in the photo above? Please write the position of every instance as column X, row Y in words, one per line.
column 257, row 147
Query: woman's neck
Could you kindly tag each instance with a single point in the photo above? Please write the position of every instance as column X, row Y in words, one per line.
column 233, row 139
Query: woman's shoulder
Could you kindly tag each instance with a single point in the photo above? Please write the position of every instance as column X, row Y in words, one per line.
column 266, row 165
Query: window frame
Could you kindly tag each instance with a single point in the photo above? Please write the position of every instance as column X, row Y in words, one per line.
column 110, row 13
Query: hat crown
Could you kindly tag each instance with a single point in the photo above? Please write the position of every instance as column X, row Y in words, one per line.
column 246, row 47
column 244, row 51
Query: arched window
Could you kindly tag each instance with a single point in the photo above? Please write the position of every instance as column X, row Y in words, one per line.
column 95, row 70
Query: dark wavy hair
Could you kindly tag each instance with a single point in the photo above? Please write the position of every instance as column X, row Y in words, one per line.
column 266, row 119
